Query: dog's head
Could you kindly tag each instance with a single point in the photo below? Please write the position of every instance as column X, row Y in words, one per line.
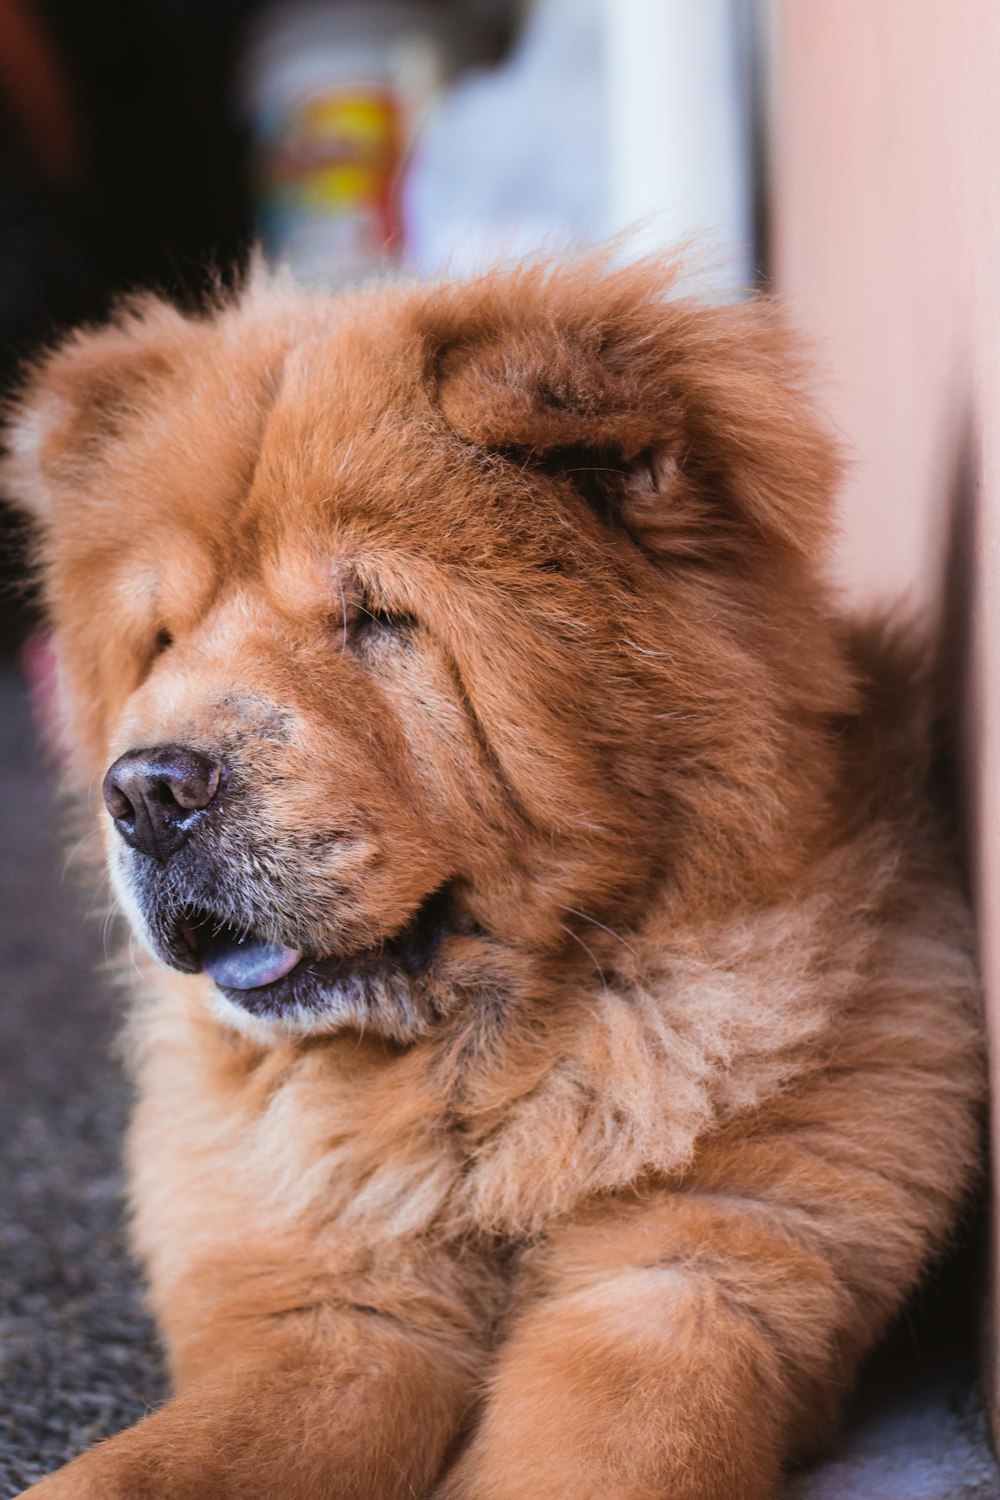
column 424, row 634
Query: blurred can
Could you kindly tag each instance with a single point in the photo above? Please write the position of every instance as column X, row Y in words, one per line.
column 333, row 94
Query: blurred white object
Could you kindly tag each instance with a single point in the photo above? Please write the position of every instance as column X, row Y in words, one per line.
column 610, row 116
column 513, row 160
column 678, row 127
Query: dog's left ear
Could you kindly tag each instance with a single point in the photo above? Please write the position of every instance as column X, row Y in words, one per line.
column 697, row 415
column 78, row 398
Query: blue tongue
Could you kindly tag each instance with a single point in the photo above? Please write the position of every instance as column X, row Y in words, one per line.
column 244, row 963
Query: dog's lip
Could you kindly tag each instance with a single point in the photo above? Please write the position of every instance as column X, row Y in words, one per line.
column 242, row 962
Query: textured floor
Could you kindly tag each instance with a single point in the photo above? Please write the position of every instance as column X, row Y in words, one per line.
column 78, row 1358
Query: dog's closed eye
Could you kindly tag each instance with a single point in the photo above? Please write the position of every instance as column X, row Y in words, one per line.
column 371, row 618
column 357, row 618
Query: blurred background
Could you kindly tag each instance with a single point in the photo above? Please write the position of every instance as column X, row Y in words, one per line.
column 841, row 153
column 152, row 142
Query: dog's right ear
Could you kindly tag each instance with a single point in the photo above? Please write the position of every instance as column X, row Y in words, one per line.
column 689, row 424
column 79, row 398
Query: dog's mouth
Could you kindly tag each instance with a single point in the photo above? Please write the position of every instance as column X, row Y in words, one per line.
column 272, row 979
column 236, row 960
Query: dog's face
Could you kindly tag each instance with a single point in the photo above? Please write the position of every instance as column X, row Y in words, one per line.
column 421, row 637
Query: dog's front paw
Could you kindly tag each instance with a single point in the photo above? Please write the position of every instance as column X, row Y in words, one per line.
column 140, row 1463
column 94, row 1476
column 489, row 1474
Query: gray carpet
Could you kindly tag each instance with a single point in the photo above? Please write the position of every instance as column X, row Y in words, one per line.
column 78, row 1356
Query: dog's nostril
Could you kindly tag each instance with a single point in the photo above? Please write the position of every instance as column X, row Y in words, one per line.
column 117, row 803
column 153, row 795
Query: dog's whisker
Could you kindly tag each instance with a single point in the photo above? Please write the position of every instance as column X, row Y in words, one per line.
column 648, row 651
column 343, row 610
column 589, row 951
column 110, row 914
column 604, row 928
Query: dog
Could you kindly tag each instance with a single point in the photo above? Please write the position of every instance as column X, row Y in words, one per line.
column 557, row 1039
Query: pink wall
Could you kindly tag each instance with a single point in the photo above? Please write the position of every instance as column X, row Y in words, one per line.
column 886, row 147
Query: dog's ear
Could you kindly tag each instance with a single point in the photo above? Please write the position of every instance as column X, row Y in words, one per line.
column 696, row 416
column 80, row 397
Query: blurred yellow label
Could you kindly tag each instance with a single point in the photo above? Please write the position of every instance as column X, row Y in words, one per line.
column 338, row 152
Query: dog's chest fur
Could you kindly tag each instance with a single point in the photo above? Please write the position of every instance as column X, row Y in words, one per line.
column 696, row 1032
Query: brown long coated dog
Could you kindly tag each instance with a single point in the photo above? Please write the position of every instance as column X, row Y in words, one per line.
column 558, row 1049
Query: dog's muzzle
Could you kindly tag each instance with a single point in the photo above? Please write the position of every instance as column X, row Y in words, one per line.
column 158, row 798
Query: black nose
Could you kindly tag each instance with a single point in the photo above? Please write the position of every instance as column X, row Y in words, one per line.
column 157, row 797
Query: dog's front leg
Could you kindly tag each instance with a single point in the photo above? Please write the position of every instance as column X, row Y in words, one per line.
column 688, row 1344
column 650, row 1368
column 335, row 1401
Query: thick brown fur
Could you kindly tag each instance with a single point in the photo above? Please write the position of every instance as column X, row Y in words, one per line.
column 608, row 1203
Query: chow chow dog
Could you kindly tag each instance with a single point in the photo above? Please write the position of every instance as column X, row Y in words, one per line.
column 556, row 1032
